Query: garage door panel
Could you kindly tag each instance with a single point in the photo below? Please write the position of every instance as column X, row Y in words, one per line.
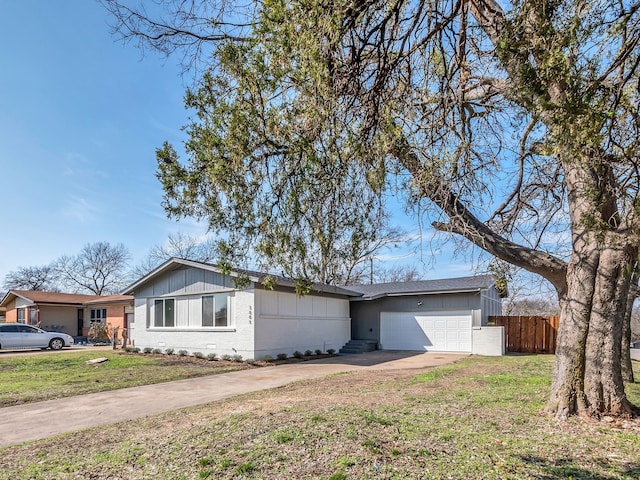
column 438, row 331
column 403, row 330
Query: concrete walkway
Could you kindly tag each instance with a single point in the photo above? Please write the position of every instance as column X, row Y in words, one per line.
column 39, row 420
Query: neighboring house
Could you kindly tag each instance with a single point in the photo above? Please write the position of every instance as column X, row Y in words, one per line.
column 193, row 306
column 66, row 312
column 448, row 315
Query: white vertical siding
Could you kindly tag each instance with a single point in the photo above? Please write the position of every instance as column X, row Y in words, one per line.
column 286, row 323
column 491, row 304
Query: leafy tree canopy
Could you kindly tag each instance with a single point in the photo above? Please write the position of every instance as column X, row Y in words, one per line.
column 506, row 123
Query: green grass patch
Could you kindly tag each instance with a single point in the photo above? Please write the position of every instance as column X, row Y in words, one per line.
column 32, row 378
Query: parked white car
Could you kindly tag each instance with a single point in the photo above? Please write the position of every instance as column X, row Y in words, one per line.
column 18, row 335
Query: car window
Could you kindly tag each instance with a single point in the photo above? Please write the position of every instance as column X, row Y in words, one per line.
column 27, row 329
column 9, row 328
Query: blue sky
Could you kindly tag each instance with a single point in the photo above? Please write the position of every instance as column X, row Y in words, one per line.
column 80, row 118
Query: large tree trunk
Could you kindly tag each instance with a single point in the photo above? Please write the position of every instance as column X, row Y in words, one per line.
column 587, row 371
column 567, row 391
column 604, row 387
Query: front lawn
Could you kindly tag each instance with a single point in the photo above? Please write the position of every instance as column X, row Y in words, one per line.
column 480, row 418
column 31, row 378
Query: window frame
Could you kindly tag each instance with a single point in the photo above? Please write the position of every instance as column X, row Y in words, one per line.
column 153, row 323
column 97, row 315
column 215, row 320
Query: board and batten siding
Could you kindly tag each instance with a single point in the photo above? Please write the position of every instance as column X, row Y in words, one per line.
column 186, row 281
column 491, row 304
column 285, row 322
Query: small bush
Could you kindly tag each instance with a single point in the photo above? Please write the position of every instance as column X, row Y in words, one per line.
column 236, row 358
column 308, row 353
column 147, row 350
column 156, row 351
column 249, row 361
column 331, row 351
column 298, row 354
column 267, row 358
column 169, row 351
column 281, row 356
column 226, row 357
column 198, row 354
column 136, row 349
column 212, row 357
column 129, row 349
column 182, row 353
column 318, row 352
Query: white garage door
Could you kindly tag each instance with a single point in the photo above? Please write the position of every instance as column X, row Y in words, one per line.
column 438, row 331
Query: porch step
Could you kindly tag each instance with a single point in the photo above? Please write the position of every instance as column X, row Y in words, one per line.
column 359, row 346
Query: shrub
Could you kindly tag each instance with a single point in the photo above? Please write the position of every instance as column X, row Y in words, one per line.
column 308, row 353
column 198, row 354
column 331, row 351
column 318, row 352
column 212, row 357
column 183, row 353
column 169, row 351
column 129, row 349
column 267, row 358
column 99, row 332
column 147, row 350
column 156, row 351
column 236, row 358
column 298, row 354
column 249, row 361
column 226, row 357
column 281, row 356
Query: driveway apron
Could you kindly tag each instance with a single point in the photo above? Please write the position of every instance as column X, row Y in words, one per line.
column 39, row 420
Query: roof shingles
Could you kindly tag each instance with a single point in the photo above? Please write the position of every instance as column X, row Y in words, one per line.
column 445, row 285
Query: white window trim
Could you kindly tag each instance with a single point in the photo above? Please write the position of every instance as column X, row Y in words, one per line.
column 191, row 329
column 229, row 294
column 151, row 306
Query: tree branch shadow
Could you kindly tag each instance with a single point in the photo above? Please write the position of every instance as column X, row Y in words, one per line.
column 552, row 469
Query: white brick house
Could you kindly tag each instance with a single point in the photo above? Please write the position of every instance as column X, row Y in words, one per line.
column 187, row 305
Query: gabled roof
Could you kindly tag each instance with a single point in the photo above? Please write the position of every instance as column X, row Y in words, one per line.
column 253, row 276
column 423, row 287
column 56, row 298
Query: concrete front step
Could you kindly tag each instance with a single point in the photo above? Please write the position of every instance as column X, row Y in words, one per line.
column 359, row 346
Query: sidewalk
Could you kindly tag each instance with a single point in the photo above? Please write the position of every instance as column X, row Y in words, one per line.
column 34, row 421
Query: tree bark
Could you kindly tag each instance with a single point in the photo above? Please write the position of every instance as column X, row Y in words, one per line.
column 627, row 368
column 604, row 387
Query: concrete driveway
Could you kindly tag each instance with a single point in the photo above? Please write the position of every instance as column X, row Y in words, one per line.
column 34, row 421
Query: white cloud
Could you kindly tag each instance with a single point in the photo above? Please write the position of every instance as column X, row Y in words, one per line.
column 79, row 209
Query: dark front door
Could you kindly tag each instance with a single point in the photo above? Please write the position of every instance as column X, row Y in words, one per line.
column 80, row 321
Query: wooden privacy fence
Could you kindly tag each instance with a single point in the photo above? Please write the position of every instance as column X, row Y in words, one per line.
column 531, row 334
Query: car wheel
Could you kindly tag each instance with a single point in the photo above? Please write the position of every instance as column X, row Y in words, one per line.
column 56, row 343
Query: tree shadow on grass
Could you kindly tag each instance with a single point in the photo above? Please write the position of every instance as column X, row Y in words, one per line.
column 552, row 469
